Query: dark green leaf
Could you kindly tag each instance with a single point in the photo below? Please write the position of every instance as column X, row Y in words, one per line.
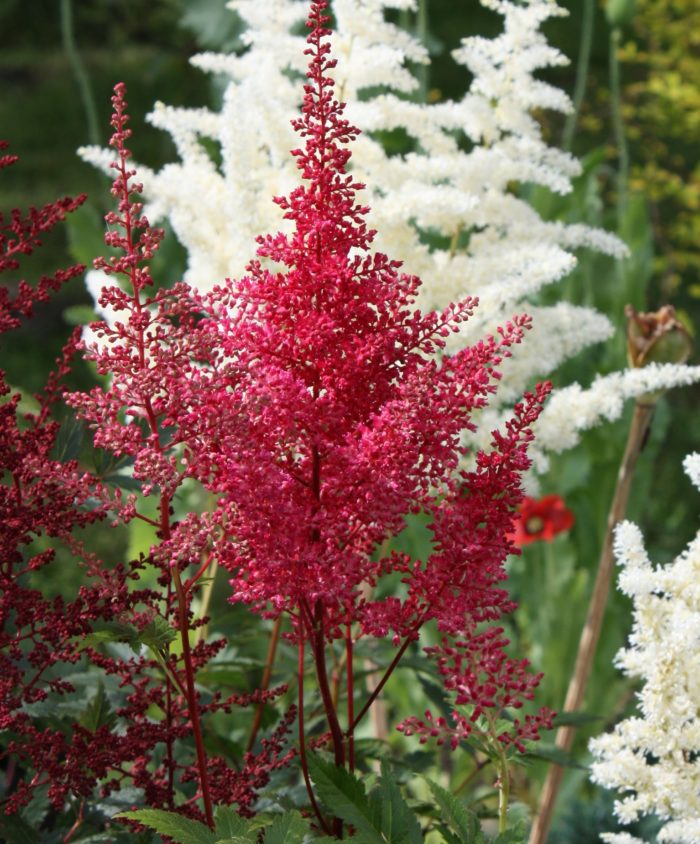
column 574, row 719
column 456, row 815
column 98, row 712
column 16, row 831
column 229, row 824
column 287, row 829
column 399, row 824
column 345, row 796
column 180, row 829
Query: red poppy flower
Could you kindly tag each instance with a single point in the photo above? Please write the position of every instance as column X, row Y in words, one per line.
column 541, row 518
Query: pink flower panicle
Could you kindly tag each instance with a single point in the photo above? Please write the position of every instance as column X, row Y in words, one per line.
column 324, row 417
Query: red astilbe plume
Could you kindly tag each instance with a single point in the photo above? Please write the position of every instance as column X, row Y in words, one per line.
column 153, row 347
column 44, row 501
column 20, row 235
column 327, row 419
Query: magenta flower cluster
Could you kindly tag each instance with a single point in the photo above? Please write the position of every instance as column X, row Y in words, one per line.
column 310, row 400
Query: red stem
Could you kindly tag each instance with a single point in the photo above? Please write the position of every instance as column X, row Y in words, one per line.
column 378, row 688
column 192, row 697
column 302, row 738
column 265, row 682
column 200, row 571
column 351, row 696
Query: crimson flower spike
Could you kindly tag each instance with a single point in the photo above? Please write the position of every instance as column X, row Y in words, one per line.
column 337, row 415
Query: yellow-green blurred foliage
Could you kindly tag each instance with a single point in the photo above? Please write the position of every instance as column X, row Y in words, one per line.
column 661, row 108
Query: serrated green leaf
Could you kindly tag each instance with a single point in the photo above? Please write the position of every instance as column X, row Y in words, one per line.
column 345, row 796
column 238, row 839
column 287, row 829
column 399, row 824
column 112, row 632
column 457, row 816
column 157, row 634
column 98, row 712
column 229, row 824
column 180, row 829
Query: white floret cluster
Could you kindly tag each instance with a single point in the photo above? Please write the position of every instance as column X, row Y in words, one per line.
column 653, row 759
column 455, row 187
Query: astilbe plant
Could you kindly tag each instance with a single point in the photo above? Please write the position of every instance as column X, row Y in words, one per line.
column 40, row 498
column 317, row 414
column 153, row 347
column 136, row 733
column 310, row 404
column 44, row 502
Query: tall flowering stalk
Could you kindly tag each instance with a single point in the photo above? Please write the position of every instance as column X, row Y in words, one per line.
column 148, row 348
column 322, row 418
column 446, row 208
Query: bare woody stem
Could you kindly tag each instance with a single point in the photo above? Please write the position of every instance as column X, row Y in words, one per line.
column 588, row 643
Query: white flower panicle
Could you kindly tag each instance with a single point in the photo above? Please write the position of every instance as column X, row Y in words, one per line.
column 491, row 243
column 653, row 759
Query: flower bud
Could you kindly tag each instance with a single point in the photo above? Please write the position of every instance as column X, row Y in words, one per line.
column 619, row 12
column 656, row 337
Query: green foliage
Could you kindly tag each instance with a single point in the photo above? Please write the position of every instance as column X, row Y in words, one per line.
column 344, row 794
column 181, row 829
column 457, row 824
column 98, row 712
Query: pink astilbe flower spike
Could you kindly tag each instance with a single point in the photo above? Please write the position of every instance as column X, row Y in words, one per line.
column 325, row 420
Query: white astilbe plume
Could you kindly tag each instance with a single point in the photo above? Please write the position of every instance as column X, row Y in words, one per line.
column 653, row 759
column 496, row 245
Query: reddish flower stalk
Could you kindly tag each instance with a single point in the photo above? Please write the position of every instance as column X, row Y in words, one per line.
column 151, row 349
column 321, row 419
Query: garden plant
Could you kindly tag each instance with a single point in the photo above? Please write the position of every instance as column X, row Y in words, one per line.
column 299, row 534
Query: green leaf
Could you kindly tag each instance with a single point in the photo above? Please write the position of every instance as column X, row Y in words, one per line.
column 79, row 315
column 457, row 816
column 287, row 829
column 238, row 839
column 552, row 753
column 157, row 634
column 399, row 824
column 214, row 25
column 345, row 796
column 98, row 712
column 229, row 824
column 180, row 829
column 511, row 836
column 13, row 828
column 85, row 233
column 574, row 719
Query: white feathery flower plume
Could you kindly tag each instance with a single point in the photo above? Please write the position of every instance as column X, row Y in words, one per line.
column 652, row 759
column 495, row 245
